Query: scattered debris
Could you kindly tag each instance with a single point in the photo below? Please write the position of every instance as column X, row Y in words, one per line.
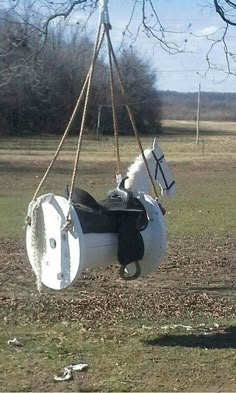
column 68, row 372
column 192, row 264
column 15, row 342
column 201, row 327
column 187, row 327
column 67, row 376
column 78, row 367
column 146, row 327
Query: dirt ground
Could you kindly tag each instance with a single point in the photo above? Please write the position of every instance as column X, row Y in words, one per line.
column 197, row 283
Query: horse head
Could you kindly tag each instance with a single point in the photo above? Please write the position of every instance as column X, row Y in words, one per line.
column 138, row 179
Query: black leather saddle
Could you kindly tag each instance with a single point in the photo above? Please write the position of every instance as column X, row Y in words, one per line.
column 120, row 213
column 104, row 216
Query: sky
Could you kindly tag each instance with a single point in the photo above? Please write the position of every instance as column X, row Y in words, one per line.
column 182, row 71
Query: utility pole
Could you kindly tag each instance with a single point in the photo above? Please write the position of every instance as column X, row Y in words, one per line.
column 198, row 113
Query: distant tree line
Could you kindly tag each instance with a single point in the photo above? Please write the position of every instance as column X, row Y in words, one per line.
column 39, row 87
column 183, row 106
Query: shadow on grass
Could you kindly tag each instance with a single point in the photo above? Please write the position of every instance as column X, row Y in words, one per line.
column 221, row 340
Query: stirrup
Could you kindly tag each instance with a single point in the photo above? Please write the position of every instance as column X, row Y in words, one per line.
column 128, row 277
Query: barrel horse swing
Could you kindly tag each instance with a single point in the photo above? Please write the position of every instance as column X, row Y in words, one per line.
column 68, row 234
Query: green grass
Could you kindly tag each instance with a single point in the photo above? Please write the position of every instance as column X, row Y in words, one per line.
column 204, row 201
column 13, row 212
column 113, row 326
column 205, row 184
column 127, row 357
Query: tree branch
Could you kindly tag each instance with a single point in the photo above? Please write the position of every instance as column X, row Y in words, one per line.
column 224, row 13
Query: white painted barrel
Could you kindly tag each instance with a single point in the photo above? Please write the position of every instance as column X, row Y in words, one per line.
column 59, row 256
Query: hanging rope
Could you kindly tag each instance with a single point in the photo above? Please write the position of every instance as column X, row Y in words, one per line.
column 62, row 139
column 130, row 113
column 114, row 112
column 103, row 20
column 82, row 126
column 68, row 128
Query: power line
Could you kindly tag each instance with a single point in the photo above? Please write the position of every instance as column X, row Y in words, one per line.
column 180, row 71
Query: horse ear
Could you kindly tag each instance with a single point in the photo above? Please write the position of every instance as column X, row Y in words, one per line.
column 154, row 143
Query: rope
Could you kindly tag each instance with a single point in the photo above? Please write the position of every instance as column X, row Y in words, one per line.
column 82, row 126
column 114, row 112
column 130, row 113
column 68, row 128
column 62, row 139
column 87, row 84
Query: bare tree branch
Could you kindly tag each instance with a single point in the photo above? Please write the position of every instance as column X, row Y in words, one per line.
column 224, row 11
column 158, row 31
column 38, row 17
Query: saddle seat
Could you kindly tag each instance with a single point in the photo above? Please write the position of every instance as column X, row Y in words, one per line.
column 105, row 215
column 119, row 213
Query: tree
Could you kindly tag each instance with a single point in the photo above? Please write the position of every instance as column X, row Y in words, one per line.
column 41, row 95
column 143, row 97
column 140, row 82
column 39, row 15
column 36, row 34
column 44, row 90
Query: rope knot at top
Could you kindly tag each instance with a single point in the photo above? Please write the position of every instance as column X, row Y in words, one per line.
column 104, row 13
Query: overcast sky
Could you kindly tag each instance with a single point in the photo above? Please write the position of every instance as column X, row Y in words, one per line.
column 178, row 72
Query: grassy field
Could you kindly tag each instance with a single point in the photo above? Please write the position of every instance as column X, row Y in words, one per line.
column 172, row 331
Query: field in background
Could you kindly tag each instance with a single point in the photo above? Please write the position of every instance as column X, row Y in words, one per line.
column 205, row 127
column 127, row 332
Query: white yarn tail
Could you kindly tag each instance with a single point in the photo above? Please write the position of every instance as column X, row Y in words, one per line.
column 38, row 240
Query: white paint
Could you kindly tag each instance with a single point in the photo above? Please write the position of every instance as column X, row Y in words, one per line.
column 58, row 256
column 61, row 264
column 67, row 253
column 137, row 172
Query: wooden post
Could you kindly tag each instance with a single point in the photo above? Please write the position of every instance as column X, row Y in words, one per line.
column 198, row 113
column 98, row 122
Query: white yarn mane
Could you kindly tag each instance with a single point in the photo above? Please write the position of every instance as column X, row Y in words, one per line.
column 138, row 179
